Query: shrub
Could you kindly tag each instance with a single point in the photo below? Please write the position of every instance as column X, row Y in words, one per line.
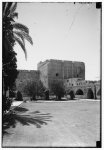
column 58, row 89
column 19, row 96
column 33, row 89
column 47, row 94
column 6, row 104
column 72, row 96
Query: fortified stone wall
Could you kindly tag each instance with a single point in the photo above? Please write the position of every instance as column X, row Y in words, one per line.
column 71, row 82
column 55, row 72
column 69, row 73
column 73, row 69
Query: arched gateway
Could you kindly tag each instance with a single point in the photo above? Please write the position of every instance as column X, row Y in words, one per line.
column 90, row 94
column 79, row 92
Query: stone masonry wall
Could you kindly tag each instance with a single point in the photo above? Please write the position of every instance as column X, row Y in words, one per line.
column 43, row 70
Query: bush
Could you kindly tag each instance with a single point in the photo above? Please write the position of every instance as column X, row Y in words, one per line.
column 11, row 94
column 57, row 89
column 72, row 96
column 19, row 96
column 33, row 97
column 47, row 94
column 33, row 89
column 6, row 104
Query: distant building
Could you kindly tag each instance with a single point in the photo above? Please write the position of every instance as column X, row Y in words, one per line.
column 58, row 70
column 83, row 88
column 70, row 73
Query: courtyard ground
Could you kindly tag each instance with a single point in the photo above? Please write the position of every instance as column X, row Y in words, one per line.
column 53, row 124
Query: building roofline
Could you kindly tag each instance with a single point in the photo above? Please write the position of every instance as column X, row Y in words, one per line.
column 57, row 60
column 27, row 70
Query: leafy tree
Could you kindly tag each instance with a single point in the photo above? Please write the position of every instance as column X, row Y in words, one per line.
column 34, row 88
column 6, row 104
column 58, row 89
column 30, row 89
column 40, row 89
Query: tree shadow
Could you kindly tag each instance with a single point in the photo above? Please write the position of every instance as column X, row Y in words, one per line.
column 36, row 118
column 20, row 109
column 38, row 113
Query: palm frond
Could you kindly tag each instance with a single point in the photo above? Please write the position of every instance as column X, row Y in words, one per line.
column 18, row 34
column 13, row 8
column 27, row 37
column 14, row 15
column 21, row 27
column 3, row 6
column 8, row 7
column 22, row 45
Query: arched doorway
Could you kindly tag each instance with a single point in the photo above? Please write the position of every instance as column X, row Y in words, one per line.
column 90, row 94
column 79, row 92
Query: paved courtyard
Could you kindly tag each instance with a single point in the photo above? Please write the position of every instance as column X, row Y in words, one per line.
column 53, row 124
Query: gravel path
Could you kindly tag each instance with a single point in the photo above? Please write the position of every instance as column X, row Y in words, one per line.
column 55, row 124
column 16, row 103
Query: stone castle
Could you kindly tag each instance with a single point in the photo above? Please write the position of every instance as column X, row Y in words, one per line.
column 70, row 73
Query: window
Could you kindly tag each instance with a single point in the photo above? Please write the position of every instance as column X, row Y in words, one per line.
column 57, row 74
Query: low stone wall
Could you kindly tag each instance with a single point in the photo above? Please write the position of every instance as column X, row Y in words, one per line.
column 80, row 96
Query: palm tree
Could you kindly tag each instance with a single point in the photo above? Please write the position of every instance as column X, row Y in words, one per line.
column 13, row 30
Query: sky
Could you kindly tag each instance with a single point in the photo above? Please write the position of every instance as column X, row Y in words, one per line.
column 64, row 31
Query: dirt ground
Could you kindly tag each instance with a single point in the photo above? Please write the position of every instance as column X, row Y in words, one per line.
column 53, row 124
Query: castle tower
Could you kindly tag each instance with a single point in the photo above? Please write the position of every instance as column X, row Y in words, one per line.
column 58, row 70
